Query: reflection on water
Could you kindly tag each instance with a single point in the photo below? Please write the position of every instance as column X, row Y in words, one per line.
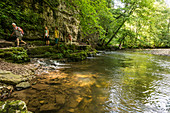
column 115, row 82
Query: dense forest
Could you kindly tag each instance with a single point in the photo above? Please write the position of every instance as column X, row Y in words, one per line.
column 119, row 23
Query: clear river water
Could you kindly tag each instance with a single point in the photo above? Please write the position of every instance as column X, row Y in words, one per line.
column 112, row 82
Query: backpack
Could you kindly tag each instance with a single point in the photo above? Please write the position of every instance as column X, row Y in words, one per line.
column 20, row 30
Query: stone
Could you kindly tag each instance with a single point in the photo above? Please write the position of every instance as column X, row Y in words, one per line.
column 10, row 78
column 5, row 91
column 73, row 102
column 34, row 103
column 40, row 87
column 49, row 108
column 71, row 110
column 79, row 99
column 42, row 102
column 55, row 83
column 60, row 99
column 23, row 85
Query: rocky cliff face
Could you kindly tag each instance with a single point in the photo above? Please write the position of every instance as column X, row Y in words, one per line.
column 50, row 13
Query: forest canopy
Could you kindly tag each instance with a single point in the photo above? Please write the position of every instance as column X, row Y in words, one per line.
column 128, row 23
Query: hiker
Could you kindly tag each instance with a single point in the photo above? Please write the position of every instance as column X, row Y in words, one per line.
column 19, row 34
column 56, row 32
column 46, row 36
column 69, row 38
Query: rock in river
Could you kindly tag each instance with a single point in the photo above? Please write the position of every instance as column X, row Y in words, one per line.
column 60, row 99
column 49, row 108
column 23, row 85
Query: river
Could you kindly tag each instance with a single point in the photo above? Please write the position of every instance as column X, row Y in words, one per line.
column 112, row 82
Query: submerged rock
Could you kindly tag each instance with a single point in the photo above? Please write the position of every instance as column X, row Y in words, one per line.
column 47, row 108
column 40, row 87
column 15, row 106
column 71, row 110
column 60, row 99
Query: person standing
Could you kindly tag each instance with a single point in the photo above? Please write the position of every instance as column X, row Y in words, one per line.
column 46, row 36
column 56, row 33
column 70, row 38
column 19, row 34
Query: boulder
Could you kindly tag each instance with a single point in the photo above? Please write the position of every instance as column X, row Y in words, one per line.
column 23, row 85
column 10, row 78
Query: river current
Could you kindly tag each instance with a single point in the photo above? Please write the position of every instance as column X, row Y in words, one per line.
column 119, row 82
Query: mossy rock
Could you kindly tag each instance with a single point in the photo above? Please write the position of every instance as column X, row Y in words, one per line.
column 72, row 52
column 36, row 43
column 15, row 106
column 78, row 56
column 41, row 50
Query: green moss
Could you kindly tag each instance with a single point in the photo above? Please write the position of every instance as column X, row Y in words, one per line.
column 78, row 56
column 36, row 43
column 72, row 52
column 16, row 106
column 1, row 50
column 57, row 56
column 38, row 50
column 1, row 55
column 8, row 54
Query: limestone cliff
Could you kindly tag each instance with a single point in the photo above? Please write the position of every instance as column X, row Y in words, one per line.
column 60, row 16
column 33, row 15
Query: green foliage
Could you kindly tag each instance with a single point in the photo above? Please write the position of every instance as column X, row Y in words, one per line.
column 47, row 54
column 145, row 20
column 89, row 15
column 22, row 15
column 13, row 107
column 17, row 55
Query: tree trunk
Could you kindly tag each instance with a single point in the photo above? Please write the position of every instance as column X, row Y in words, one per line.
column 115, row 33
column 168, row 25
column 122, row 40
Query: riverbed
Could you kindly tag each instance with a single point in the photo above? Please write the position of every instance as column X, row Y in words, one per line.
column 111, row 82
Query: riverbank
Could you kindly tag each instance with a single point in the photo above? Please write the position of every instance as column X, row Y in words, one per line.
column 165, row 52
column 62, row 88
column 15, row 76
column 159, row 51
